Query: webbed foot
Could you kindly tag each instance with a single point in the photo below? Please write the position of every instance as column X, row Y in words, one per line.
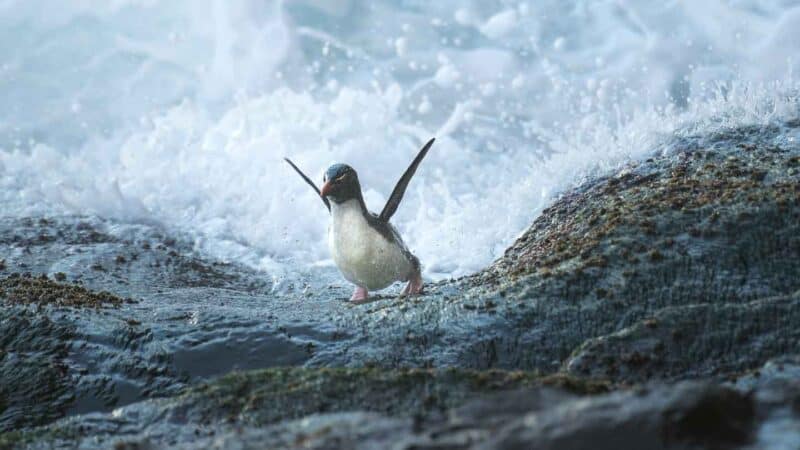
column 360, row 295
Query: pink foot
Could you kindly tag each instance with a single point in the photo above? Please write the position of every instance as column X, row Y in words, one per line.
column 414, row 286
column 359, row 295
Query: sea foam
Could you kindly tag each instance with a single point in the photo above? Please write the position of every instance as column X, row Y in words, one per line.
column 180, row 116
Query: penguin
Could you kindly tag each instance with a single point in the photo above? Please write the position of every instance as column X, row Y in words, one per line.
column 366, row 248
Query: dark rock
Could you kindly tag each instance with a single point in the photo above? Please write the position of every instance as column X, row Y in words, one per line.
column 260, row 398
column 683, row 341
column 35, row 388
column 370, row 408
column 688, row 227
column 103, row 254
column 51, row 365
column 686, row 415
column 500, row 408
column 356, row 430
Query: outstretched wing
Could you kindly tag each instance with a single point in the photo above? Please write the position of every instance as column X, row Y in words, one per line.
column 400, row 188
column 310, row 183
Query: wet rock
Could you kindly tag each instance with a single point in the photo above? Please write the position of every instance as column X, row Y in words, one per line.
column 260, row 398
column 687, row 415
column 775, row 388
column 781, row 370
column 711, row 220
column 681, row 266
column 268, row 396
column 18, row 289
column 35, row 387
column 687, row 341
column 381, row 412
column 51, row 365
column 356, row 430
column 130, row 260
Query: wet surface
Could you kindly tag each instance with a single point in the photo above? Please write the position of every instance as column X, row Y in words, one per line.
column 683, row 266
column 182, row 319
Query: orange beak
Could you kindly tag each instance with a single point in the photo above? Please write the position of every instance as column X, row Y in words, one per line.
column 326, row 189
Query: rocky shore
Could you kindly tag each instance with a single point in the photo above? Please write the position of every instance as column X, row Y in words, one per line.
column 655, row 306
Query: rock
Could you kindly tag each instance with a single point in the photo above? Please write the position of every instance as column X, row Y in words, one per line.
column 37, row 384
column 711, row 220
column 356, row 430
column 265, row 397
column 68, row 349
column 687, row 415
column 17, row 289
column 775, row 388
column 681, row 266
column 47, row 359
column 34, row 386
column 129, row 260
column 781, row 370
column 372, row 409
column 686, row 341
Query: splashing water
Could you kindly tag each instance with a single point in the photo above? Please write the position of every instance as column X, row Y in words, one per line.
column 167, row 113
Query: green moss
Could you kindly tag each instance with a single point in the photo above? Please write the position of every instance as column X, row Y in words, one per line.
column 703, row 184
column 576, row 385
column 17, row 289
column 41, row 437
column 14, row 439
column 655, row 255
column 270, row 395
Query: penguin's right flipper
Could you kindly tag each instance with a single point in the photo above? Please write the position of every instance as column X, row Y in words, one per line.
column 310, row 183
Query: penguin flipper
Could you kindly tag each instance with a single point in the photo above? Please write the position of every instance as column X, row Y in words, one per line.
column 310, row 183
column 400, row 188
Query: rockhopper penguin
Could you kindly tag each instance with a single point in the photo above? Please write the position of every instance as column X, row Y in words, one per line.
column 366, row 247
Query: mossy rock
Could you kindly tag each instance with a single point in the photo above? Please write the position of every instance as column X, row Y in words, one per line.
column 35, row 386
column 653, row 211
column 270, row 395
column 25, row 289
column 48, row 359
column 711, row 220
column 263, row 397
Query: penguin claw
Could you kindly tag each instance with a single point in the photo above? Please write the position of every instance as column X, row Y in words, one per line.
column 414, row 286
column 360, row 295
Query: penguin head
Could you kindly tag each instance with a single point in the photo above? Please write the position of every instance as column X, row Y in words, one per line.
column 340, row 183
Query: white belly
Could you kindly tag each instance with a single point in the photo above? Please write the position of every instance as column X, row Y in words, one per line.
column 361, row 253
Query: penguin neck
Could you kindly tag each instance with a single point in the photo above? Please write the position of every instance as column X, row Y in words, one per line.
column 349, row 207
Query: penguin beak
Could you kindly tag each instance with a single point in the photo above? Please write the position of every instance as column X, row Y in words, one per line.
column 326, row 189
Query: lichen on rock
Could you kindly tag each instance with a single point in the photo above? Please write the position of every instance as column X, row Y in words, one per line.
column 19, row 289
column 711, row 220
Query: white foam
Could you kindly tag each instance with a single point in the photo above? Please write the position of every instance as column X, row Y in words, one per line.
column 184, row 122
column 500, row 24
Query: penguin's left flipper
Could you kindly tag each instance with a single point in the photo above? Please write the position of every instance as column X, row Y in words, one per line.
column 400, row 188
column 310, row 183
